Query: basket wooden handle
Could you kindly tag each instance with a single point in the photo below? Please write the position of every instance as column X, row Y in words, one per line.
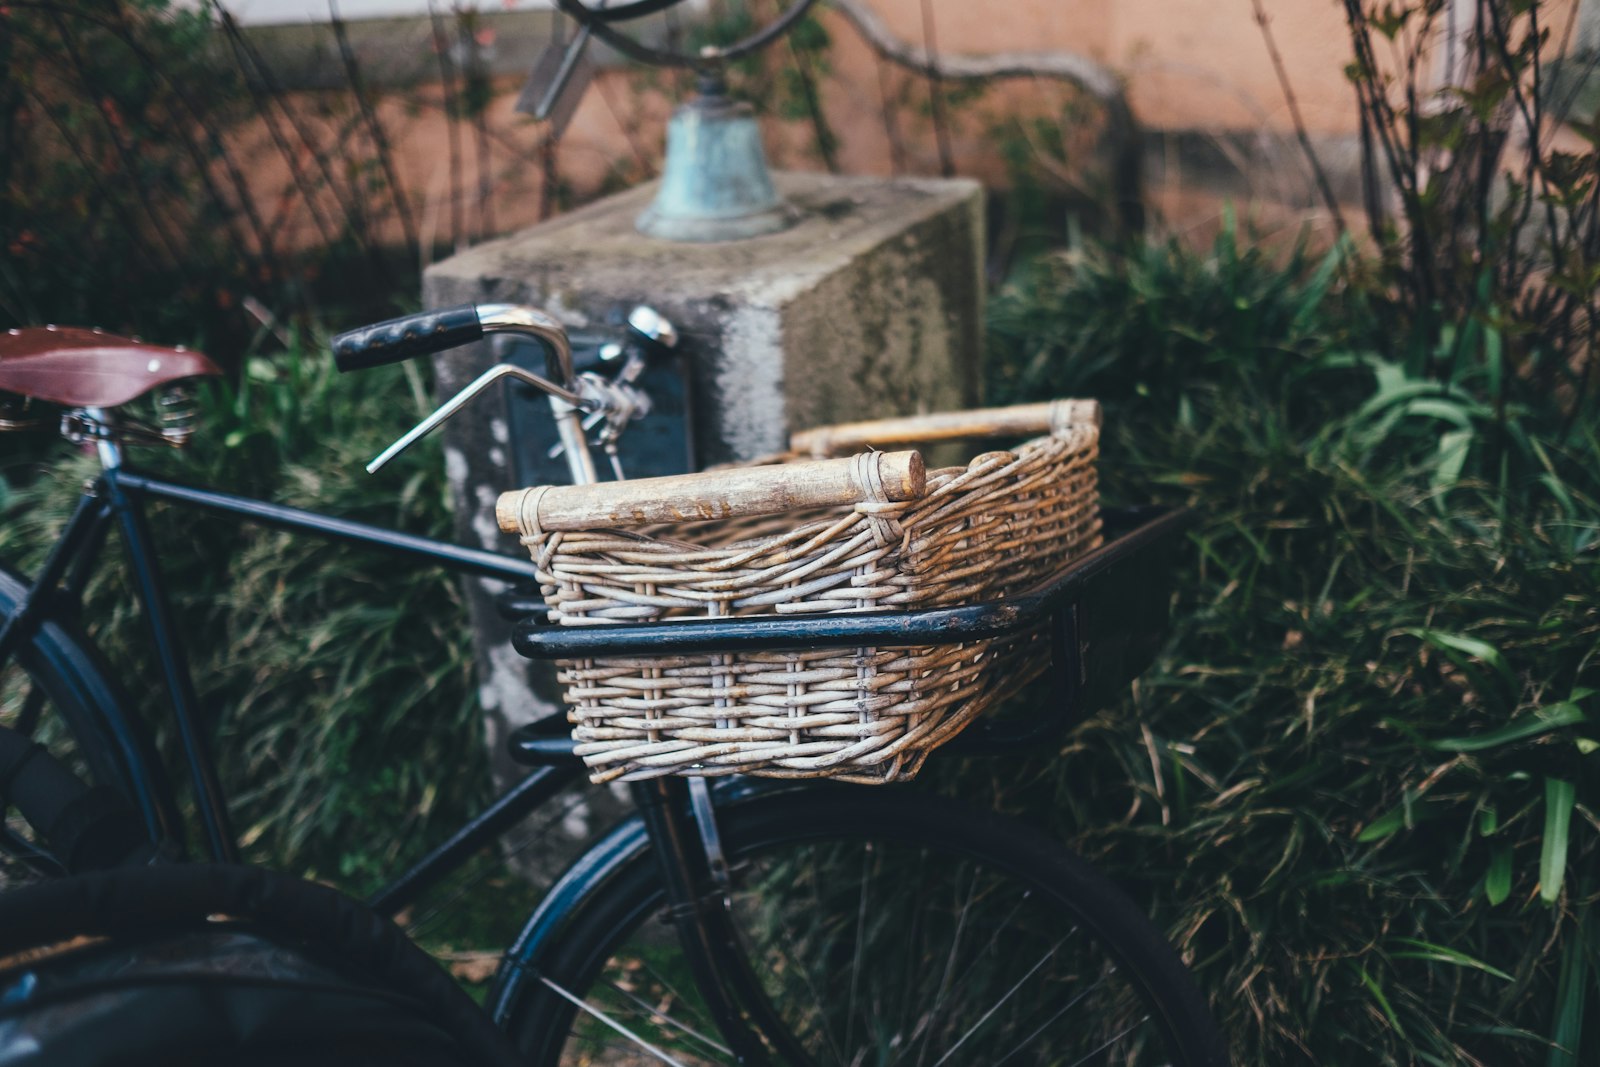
column 720, row 494
column 1022, row 420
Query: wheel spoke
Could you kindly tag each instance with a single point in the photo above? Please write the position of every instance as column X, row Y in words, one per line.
column 927, row 1021
column 1042, row 1027
column 1112, row 1040
column 651, row 1012
column 974, row 1028
column 968, row 940
column 791, row 965
column 677, row 997
column 589, row 1009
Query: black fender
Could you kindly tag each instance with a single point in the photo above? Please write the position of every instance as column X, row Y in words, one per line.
column 124, row 757
column 603, row 863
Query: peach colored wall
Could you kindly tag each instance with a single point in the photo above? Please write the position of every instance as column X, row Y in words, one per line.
column 1194, row 64
column 1008, row 25
column 1187, row 64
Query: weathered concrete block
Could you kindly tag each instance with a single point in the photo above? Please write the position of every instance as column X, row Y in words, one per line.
column 870, row 305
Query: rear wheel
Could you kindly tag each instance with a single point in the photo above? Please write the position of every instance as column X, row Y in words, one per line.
column 889, row 928
column 56, row 691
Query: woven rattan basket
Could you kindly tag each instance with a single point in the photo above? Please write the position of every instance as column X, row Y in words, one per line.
column 894, row 538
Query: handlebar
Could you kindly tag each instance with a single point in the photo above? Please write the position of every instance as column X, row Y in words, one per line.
column 572, row 395
column 399, row 339
column 439, row 330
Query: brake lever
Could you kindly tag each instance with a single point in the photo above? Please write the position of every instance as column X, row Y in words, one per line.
column 618, row 400
column 450, row 407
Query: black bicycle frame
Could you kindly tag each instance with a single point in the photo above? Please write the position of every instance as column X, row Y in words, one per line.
column 116, row 499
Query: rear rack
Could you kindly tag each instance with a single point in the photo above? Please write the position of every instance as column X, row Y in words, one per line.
column 1106, row 612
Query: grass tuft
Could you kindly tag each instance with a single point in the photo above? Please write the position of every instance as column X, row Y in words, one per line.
column 340, row 681
column 1359, row 787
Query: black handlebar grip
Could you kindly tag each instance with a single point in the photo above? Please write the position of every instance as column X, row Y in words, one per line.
column 399, row 339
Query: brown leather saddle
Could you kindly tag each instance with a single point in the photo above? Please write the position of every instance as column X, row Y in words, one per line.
column 79, row 368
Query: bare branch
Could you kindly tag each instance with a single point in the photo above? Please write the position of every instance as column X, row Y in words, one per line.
column 1317, row 173
column 941, row 131
column 1096, row 79
column 1088, row 76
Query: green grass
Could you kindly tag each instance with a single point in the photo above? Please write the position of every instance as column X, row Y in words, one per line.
column 1359, row 787
column 340, row 680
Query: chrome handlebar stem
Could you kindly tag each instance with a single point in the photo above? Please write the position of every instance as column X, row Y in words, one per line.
column 539, row 325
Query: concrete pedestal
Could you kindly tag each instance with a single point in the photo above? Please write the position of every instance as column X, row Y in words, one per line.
column 870, row 306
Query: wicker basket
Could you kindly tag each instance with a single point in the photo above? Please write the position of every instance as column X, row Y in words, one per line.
column 1001, row 524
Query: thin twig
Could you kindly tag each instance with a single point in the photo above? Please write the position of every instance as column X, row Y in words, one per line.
column 930, row 45
column 1300, row 131
column 897, row 152
column 1501, row 39
column 452, row 125
column 549, row 177
column 264, row 109
column 93, row 171
column 475, row 95
column 1371, row 195
column 480, row 129
column 217, row 144
column 375, row 130
column 351, row 204
column 1576, row 82
column 630, row 131
column 1081, row 72
column 1371, row 96
column 129, row 166
column 819, row 122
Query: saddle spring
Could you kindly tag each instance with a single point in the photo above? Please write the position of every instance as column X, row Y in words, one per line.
column 19, row 412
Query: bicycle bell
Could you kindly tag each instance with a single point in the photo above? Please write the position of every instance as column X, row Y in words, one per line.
column 715, row 185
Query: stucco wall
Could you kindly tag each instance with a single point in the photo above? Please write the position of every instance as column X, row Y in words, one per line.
column 1193, row 69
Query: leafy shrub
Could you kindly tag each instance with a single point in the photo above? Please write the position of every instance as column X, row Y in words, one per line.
column 131, row 197
column 113, row 192
column 1479, row 212
column 346, row 719
column 1359, row 786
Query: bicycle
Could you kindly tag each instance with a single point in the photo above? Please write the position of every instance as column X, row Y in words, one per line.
column 745, row 920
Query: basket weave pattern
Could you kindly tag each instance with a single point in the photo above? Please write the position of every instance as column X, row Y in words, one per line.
column 999, row 525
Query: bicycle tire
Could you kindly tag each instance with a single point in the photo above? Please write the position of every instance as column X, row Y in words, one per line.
column 611, row 955
column 58, row 680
